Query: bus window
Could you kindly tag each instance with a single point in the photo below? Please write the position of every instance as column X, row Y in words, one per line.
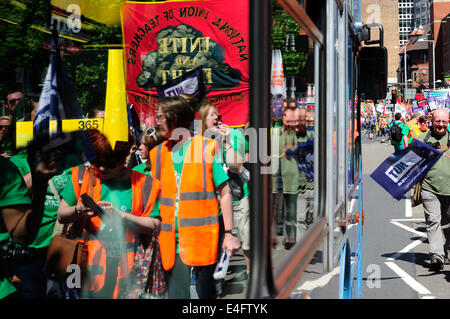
column 294, row 135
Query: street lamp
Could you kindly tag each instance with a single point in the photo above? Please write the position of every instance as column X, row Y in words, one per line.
column 434, row 65
column 404, row 62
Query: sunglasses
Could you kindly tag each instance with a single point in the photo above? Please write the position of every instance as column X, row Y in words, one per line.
column 13, row 101
column 4, row 127
column 106, row 164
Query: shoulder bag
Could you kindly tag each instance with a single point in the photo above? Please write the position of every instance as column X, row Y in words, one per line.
column 65, row 250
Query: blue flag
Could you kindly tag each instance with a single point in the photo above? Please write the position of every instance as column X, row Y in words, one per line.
column 405, row 168
column 58, row 98
column 304, row 155
column 133, row 123
column 57, row 102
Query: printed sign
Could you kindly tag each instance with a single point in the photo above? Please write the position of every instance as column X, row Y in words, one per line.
column 24, row 130
column 164, row 40
column 438, row 99
column 405, row 168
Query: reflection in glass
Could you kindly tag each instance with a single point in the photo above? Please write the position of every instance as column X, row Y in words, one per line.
column 292, row 135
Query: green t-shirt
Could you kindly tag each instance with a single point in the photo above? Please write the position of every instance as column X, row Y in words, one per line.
column 51, row 205
column 405, row 132
column 437, row 179
column 118, row 193
column 142, row 168
column 237, row 140
column 178, row 154
column 20, row 160
column 45, row 233
column 12, row 192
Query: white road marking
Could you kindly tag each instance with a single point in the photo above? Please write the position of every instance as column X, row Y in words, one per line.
column 319, row 282
column 412, row 230
column 407, row 249
column 410, row 281
column 408, row 220
column 408, row 207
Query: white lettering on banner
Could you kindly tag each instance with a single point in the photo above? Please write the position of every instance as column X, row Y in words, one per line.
column 403, row 166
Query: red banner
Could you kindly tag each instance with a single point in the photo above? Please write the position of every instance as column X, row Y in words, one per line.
column 163, row 40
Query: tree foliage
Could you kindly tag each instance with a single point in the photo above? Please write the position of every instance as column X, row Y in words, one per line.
column 89, row 68
column 284, row 26
column 22, row 42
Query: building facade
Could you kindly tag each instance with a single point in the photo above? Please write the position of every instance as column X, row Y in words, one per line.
column 439, row 20
column 405, row 19
column 421, row 13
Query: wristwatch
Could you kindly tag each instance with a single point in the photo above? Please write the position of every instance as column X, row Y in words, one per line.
column 78, row 212
column 233, row 231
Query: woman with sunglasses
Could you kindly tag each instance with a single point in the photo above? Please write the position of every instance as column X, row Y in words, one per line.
column 111, row 235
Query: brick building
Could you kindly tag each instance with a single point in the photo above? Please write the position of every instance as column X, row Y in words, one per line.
column 386, row 13
column 439, row 22
column 417, row 61
column 445, row 28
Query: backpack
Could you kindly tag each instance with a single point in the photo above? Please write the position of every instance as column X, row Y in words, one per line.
column 396, row 132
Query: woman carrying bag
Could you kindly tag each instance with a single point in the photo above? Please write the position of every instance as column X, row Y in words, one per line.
column 126, row 199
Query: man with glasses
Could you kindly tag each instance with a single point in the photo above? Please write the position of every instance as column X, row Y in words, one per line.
column 436, row 191
column 5, row 123
column 12, row 100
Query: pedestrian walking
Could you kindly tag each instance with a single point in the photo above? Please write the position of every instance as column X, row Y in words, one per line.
column 398, row 133
column 435, row 191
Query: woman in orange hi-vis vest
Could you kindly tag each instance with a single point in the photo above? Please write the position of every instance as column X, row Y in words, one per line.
column 111, row 237
column 190, row 175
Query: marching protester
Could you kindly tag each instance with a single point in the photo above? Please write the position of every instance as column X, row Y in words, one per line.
column 233, row 142
column 110, row 236
column 190, row 175
column 13, row 99
column 398, row 132
column 20, row 219
column 414, row 127
column 423, row 124
column 289, row 172
column 435, row 191
column 149, row 139
column 305, row 161
column 5, row 140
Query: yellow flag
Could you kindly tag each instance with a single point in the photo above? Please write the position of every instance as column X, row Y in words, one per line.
column 115, row 125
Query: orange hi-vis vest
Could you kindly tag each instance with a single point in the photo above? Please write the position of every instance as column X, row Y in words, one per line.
column 145, row 193
column 198, row 208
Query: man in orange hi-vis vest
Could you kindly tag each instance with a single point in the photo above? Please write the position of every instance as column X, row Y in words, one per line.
column 191, row 224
